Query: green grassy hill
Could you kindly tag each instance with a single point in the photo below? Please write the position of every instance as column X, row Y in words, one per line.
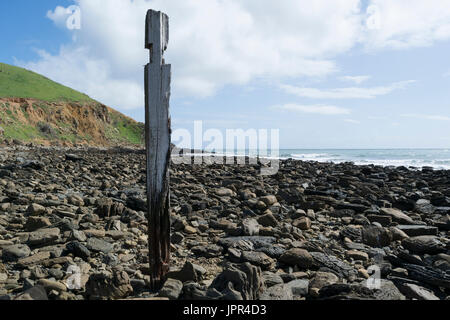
column 36, row 109
column 18, row 82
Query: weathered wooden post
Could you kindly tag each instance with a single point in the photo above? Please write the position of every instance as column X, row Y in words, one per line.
column 157, row 139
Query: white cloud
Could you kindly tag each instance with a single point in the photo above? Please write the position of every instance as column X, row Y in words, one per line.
column 212, row 44
column 58, row 16
column 345, row 93
column 426, row 116
column 355, row 79
column 407, row 23
column 215, row 43
column 317, row 109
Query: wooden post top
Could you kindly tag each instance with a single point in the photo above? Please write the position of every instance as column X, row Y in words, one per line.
column 156, row 34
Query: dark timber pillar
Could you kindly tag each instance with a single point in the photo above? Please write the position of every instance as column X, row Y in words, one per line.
column 157, row 140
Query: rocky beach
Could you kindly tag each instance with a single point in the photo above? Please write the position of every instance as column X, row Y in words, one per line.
column 73, row 227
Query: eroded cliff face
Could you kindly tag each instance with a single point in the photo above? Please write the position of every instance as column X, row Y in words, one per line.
column 66, row 123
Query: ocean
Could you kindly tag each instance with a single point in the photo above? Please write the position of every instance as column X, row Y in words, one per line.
column 436, row 158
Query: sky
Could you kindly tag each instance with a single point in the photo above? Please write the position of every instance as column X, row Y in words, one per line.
column 326, row 73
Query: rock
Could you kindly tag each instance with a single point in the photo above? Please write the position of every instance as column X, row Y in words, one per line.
column 303, row 223
column 208, row 251
column 267, row 220
column 418, row 230
column 388, row 291
column 224, row 192
column 259, row 259
column 428, row 275
column 171, row 289
column 333, row 263
column 34, row 293
column 385, row 221
column 15, row 252
column 357, row 255
column 322, row 279
column 299, row 257
column 108, row 286
column 94, row 233
column 397, row 215
column 34, row 259
column 189, row 229
column 78, row 250
column 189, row 272
column 277, row 292
column 299, row 287
column 397, row 234
column 376, row 236
column 245, row 278
column 271, row 279
column 43, row 237
column 99, row 245
column 52, row 285
column 36, row 209
column 73, row 157
column 35, row 223
column 250, row 227
column 424, row 244
column 269, row 200
column 78, row 235
column 413, row 291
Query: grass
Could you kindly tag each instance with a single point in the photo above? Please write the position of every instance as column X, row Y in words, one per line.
column 125, row 130
column 16, row 82
column 17, row 124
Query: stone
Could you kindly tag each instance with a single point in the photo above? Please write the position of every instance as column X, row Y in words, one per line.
column 224, row 192
column 277, row 292
column 15, row 252
column 189, row 272
column 299, row 287
column 207, row 251
column 388, row 291
column 414, row 291
column 271, row 279
column 99, row 245
column 298, row 257
column 78, row 250
column 189, row 229
column 322, row 279
column 101, row 286
column 269, row 200
column 35, row 293
column 36, row 209
column 376, row 236
column 259, row 259
column 397, row 215
column 245, row 278
column 267, row 220
column 250, row 227
column 52, row 285
column 424, row 244
column 418, row 230
column 397, row 234
column 34, row 223
column 34, row 259
column 303, row 223
column 43, row 237
column 171, row 289
column 384, row 220
column 78, row 235
column 357, row 255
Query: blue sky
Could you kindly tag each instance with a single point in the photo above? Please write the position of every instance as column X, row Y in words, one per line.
column 322, row 74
